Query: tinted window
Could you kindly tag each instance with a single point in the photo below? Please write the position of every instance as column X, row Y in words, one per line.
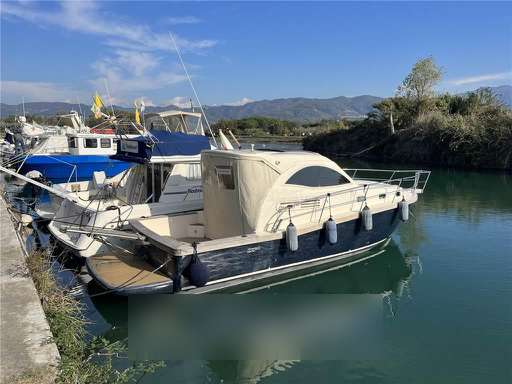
column 317, row 177
column 105, row 143
column 90, row 143
column 72, row 142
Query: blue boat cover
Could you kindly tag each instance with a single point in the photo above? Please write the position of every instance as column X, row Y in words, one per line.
column 162, row 143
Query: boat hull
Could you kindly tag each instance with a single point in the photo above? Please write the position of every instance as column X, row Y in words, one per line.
column 313, row 246
column 243, row 267
column 64, row 168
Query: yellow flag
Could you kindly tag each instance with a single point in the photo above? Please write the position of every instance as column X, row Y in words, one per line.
column 97, row 101
column 137, row 116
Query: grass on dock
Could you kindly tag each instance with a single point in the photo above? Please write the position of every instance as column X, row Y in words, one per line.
column 81, row 361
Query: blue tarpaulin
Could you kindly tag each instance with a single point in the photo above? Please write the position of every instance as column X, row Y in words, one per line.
column 161, row 143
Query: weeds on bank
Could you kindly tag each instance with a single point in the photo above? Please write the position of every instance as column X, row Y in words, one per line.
column 81, row 361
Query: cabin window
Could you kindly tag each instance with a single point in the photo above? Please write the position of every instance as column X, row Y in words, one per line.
column 317, row 177
column 105, row 143
column 90, row 143
column 72, row 142
column 194, row 172
column 225, row 177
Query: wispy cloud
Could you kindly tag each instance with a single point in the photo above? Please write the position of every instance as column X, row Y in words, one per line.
column 129, row 77
column 15, row 91
column 88, row 17
column 242, row 101
column 182, row 20
column 135, row 64
column 179, row 101
column 480, row 78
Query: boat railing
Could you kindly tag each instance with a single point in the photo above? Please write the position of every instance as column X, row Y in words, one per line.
column 414, row 179
column 367, row 188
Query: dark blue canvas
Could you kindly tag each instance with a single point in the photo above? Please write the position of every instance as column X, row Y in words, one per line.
column 162, row 143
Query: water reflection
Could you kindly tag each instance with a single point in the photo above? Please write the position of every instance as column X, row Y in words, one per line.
column 389, row 272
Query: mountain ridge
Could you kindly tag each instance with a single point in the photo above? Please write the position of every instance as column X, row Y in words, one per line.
column 300, row 109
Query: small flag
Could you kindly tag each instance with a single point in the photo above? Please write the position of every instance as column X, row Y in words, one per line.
column 137, row 116
column 97, row 101
column 97, row 104
column 139, row 109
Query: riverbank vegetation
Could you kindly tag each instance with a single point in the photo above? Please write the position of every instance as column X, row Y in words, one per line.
column 270, row 128
column 472, row 130
column 82, row 361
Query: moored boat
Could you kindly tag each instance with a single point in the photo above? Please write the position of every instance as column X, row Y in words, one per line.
column 265, row 215
column 166, row 180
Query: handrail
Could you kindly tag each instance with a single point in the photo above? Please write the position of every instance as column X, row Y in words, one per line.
column 396, row 184
column 419, row 178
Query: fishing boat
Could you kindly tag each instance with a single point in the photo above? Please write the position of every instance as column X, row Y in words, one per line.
column 62, row 154
column 265, row 215
column 166, row 180
column 84, row 154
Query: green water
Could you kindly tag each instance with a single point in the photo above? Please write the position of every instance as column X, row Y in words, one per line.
column 446, row 286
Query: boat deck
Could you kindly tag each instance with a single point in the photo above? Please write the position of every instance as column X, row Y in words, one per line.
column 126, row 272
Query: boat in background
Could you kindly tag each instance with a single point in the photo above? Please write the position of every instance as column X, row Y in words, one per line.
column 84, row 154
column 165, row 180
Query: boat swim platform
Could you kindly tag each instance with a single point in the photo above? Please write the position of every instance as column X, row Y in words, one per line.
column 128, row 274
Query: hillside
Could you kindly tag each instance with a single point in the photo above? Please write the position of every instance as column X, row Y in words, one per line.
column 299, row 109
column 295, row 109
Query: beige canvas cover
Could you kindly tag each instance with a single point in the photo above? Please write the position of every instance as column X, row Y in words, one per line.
column 234, row 187
column 240, row 186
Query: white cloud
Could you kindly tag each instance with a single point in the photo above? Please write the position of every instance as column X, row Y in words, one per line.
column 14, row 91
column 480, row 78
column 179, row 101
column 182, row 20
column 88, row 17
column 131, row 68
column 130, row 79
column 243, row 101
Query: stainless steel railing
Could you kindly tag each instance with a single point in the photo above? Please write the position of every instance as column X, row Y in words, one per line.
column 415, row 179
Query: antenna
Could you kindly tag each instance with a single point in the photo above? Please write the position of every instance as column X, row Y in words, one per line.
column 82, row 117
column 23, row 103
column 192, row 86
column 109, row 97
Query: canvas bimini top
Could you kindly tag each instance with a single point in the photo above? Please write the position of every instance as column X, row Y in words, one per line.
column 160, row 144
column 242, row 189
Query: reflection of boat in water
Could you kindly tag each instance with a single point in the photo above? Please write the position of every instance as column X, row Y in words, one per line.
column 386, row 271
column 383, row 271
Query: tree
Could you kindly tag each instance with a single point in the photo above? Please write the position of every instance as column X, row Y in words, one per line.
column 419, row 83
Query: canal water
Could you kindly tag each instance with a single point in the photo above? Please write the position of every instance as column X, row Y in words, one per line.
column 445, row 281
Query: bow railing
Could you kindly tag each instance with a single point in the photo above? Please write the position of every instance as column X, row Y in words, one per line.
column 414, row 179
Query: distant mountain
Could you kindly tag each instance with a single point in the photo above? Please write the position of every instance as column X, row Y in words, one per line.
column 504, row 94
column 297, row 109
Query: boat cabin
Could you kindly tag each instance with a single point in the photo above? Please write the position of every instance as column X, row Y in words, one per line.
column 246, row 191
column 190, row 123
column 92, row 144
column 254, row 194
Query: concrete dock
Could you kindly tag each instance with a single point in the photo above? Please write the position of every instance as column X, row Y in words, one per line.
column 26, row 346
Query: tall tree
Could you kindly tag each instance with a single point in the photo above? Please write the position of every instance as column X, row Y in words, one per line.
column 419, row 83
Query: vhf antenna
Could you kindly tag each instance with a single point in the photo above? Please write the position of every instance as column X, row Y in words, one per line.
column 192, row 86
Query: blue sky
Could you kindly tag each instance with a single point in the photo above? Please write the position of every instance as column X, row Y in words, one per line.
column 235, row 52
